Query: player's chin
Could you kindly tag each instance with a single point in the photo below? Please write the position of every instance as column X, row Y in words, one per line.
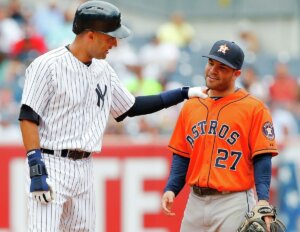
column 210, row 84
column 101, row 56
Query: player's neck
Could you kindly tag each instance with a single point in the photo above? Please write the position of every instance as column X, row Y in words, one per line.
column 217, row 94
column 79, row 53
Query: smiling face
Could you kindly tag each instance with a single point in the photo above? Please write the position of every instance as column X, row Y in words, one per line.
column 220, row 78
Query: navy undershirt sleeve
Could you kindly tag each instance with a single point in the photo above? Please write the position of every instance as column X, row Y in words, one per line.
column 177, row 175
column 262, row 175
column 153, row 103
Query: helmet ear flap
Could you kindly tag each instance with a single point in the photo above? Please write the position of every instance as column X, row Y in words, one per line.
column 76, row 28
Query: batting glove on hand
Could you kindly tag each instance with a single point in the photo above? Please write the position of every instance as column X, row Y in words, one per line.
column 40, row 186
column 197, row 92
column 44, row 196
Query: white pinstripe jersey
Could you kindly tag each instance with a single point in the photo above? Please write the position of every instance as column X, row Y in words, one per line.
column 73, row 100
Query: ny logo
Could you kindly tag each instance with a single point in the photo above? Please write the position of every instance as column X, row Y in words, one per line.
column 100, row 95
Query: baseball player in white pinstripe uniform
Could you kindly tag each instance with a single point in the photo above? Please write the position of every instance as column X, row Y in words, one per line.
column 68, row 96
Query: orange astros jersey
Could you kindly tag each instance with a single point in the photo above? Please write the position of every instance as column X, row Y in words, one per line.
column 221, row 137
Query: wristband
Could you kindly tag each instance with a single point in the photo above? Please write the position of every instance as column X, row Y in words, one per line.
column 185, row 92
column 34, row 154
column 36, row 164
column 37, row 170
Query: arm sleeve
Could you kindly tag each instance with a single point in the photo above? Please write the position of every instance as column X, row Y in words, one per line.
column 153, row 103
column 262, row 136
column 178, row 172
column 122, row 99
column 262, row 175
column 38, row 87
column 178, row 143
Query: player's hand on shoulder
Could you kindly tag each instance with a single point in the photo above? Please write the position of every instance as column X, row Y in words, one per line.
column 167, row 203
column 40, row 186
column 197, row 92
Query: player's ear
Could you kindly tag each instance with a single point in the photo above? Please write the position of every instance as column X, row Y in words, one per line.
column 237, row 73
column 90, row 35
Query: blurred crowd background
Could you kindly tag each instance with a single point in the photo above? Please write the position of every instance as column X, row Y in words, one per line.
column 164, row 52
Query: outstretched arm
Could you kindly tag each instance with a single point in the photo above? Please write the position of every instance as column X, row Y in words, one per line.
column 153, row 103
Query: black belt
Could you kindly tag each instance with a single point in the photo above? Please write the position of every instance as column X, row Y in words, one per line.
column 205, row 191
column 72, row 154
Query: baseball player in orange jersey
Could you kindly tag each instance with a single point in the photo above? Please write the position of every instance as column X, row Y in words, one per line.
column 222, row 147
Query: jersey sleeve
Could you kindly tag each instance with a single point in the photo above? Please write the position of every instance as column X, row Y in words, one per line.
column 122, row 99
column 262, row 136
column 178, row 143
column 38, row 87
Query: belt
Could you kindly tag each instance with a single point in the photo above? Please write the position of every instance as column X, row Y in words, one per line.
column 205, row 191
column 72, row 154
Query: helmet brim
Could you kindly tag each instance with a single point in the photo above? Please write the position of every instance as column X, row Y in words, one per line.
column 119, row 33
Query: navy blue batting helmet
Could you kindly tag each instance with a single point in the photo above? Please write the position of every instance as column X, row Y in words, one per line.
column 99, row 16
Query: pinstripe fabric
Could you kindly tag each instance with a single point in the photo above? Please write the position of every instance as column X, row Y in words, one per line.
column 73, row 101
column 73, row 208
column 63, row 92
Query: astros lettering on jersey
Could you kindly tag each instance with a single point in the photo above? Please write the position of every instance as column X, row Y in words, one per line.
column 220, row 128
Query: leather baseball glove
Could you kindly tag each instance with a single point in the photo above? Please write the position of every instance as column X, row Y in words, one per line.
column 254, row 222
